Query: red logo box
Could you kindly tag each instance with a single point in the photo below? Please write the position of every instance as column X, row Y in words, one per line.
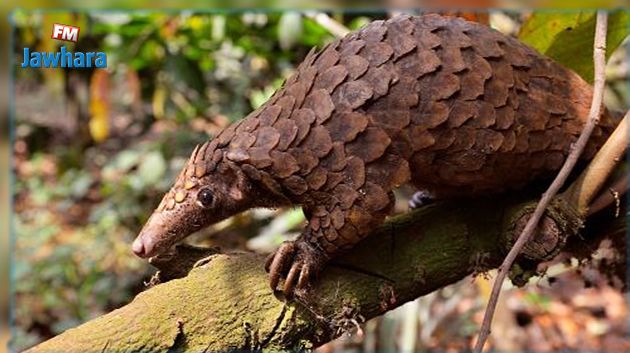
column 65, row 32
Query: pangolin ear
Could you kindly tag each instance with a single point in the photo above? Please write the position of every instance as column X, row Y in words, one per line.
column 236, row 193
column 237, row 183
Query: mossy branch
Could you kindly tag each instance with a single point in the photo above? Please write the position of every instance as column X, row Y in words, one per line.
column 226, row 303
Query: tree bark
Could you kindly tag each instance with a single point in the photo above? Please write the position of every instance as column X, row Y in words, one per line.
column 226, row 303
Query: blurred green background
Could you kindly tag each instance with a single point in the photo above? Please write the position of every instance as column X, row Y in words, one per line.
column 95, row 150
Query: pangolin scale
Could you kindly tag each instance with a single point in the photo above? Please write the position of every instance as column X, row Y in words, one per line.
column 444, row 104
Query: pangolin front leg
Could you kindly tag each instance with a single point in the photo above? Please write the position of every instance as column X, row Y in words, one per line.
column 331, row 229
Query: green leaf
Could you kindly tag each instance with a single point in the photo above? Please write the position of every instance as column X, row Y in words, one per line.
column 568, row 37
column 152, row 168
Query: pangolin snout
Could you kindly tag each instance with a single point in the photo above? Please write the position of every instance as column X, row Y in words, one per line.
column 143, row 246
column 151, row 238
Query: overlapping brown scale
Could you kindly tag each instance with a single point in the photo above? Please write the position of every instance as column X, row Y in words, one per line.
column 307, row 76
column 249, row 124
column 307, row 160
column 488, row 141
column 355, row 65
column 473, row 79
column 455, row 35
column 318, row 141
column 272, row 185
column 346, row 195
column 374, row 32
column 431, row 114
column 487, row 42
column 399, row 37
column 283, row 164
column 517, row 55
column 403, row 23
column 286, row 103
column 444, row 138
column 485, row 116
column 299, row 90
column 426, row 39
column 251, row 171
column 320, row 103
column 237, row 155
column 554, row 120
column 333, row 179
column 389, row 171
column 316, row 178
column 375, row 198
column 504, row 117
column 380, row 78
column 369, row 145
column 328, row 57
column 461, row 112
column 346, row 126
column 377, row 53
column 337, row 217
column 288, row 132
column 452, row 59
column 269, row 114
column 267, row 138
column 522, row 142
column 226, row 135
column 330, row 233
column 295, row 184
column 420, row 137
column 349, row 234
column 336, row 159
column 443, row 85
column 351, row 47
column 396, row 119
column 351, row 95
column 419, row 63
column 360, row 218
column 498, row 86
column 303, row 119
column 531, row 115
column 538, row 141
column 556, row 104
column 509, row 141
column 469, row 160
column 308, row 61
column 354, row 172
column 521, row 80
column 243, row 140
column 259, row 157
column 465, row 138
column 331, row 78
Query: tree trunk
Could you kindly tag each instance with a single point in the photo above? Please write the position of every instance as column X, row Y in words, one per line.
column 226, row 303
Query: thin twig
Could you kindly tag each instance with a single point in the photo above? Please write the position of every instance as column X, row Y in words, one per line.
column 335, row 28
column 582, row 192
column 610, row 196
column 599, row 58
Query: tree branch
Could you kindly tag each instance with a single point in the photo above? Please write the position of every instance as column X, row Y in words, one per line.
column 226, row 303
column 599, row 58
column 582, row 192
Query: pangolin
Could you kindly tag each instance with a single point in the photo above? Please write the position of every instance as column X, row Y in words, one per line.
column 447, row 105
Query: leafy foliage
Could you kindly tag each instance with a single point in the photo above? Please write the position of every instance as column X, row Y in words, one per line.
column 568, row 37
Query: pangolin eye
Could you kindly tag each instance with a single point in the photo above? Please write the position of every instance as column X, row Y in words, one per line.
column 205, row 197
